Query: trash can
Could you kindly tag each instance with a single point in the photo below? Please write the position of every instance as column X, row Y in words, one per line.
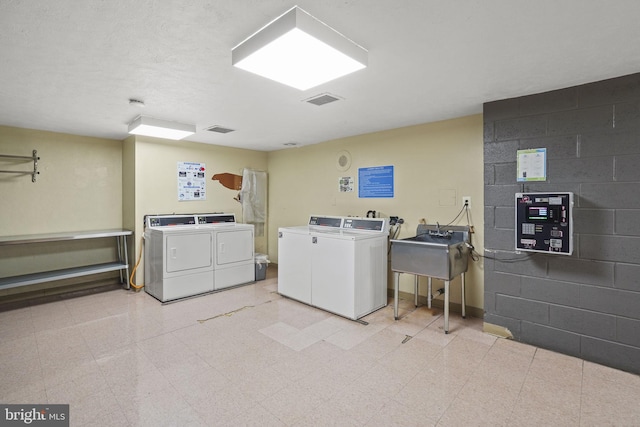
column 262, row 262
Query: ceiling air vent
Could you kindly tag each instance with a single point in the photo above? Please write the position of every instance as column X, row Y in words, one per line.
column 322, row 99
column 220, row 129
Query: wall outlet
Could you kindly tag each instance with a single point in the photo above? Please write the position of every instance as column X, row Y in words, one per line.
column 466, row 200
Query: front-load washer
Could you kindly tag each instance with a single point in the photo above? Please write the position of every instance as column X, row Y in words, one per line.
column 338, row 264
column 233, row 250
column 179, row 258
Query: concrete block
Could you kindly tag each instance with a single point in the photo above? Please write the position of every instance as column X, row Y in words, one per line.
column 627, row 276
column 594, row 119
column 498, row 110
column 523, row 309
column 609, row 91
column 583, row 322
column 501, row 195
column 610, row 301
column 627, row 116
column 627, row 168
column 610, row 248
column 488, row 131
column 500, row 239
column 505, row 217
column 552, row 291
column 628, row 222
column 552, row 187
column 556, row 100
column 558, row 147
column 551, row 338
column 501, row 152
column 489, row 302
column 521, row 127
column 619, row 356
column 506, row 173
column 570, row 269
column 525, row 264
column 512, row 325
column 593, row 221
column 489, row 174
column 489, row 218
column 609, row 195
column 607, row 144
column 587, row 169
column 628, row 331
column 501, row 283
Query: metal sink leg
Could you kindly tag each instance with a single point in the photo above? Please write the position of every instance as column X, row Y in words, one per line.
column 396, row 285
column 446, row 306
column 464, row 315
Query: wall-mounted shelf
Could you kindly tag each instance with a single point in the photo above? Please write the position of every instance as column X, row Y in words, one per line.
column 121, row 264
column 34, row 158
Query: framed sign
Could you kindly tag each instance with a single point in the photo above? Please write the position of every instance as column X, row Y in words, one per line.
column 375, row 182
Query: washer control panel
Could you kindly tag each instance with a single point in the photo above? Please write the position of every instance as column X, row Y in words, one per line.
column 349, row 223
column 368, row 224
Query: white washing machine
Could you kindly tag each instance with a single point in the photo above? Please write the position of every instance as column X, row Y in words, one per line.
column 338, row 264
column 179, row 258
column 233, row 250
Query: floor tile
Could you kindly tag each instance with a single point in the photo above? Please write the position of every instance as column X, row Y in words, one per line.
column 247, row 356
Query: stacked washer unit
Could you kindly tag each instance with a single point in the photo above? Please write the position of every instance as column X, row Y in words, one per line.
column 338, row 264
column 187, row 255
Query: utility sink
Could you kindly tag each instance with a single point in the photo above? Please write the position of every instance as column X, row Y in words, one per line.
column 435, row 251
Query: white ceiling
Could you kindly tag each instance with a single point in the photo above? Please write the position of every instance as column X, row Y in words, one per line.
column 71, row 65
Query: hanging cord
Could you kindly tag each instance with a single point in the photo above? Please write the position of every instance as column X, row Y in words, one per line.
column 464, row 208
column 525, row 257
column 131, row 283
column 393, row 235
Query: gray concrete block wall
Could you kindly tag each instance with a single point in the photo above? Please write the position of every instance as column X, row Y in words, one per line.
column 587, row 304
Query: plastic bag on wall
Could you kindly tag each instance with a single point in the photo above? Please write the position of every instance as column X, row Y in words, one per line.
column 253, row 197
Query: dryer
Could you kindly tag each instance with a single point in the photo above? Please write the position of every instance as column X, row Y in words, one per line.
column 233, row 249
column 179, row 259
column 338, row 264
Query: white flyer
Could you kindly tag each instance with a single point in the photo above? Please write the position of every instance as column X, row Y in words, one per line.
column 192, row 182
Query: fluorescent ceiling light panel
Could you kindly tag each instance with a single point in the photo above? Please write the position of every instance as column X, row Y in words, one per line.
column 149, row 126
column 300, row 51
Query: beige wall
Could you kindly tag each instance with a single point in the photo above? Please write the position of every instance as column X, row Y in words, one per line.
column 79, row 188
column 91, row 183
column 435, row 165
column 155, row 182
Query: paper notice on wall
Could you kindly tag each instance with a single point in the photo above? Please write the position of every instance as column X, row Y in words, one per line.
column 192, row 183
column 532, row 165
column 345, row 184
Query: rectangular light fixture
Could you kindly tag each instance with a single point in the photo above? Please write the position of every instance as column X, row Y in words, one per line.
column 298, row 50
column 150, row 126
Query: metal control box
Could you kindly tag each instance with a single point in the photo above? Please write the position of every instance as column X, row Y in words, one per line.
column 544, row 222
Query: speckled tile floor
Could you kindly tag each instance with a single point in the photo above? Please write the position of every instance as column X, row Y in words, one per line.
column 247, row 356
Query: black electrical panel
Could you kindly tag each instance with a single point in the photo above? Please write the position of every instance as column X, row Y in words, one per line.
column 544, row 222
